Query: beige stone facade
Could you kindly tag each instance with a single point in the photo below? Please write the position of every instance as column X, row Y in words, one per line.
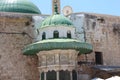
column 13, row 64
column 104, row 33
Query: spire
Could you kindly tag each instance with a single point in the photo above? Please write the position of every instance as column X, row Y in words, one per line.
column 55, row 6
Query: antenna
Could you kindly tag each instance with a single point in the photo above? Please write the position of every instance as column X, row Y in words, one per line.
column 67, row 10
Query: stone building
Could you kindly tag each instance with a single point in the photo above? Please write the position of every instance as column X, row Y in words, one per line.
column 16, row 31
column 34, row 46
column 103, row 32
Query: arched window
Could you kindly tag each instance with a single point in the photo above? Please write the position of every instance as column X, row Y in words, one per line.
column 74, row 75
column 51, row 75
column 68, row 34
column 42, row 76
column 64, row 75
column 56, row 34
column 43, row 36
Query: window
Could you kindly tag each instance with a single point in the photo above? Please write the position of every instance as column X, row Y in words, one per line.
column 43, row 36
column 64, row 75
column 42, row 76
column 51, row 75
column 68, row 34
column 74, row 75
column 56, row 34
column 98, row 58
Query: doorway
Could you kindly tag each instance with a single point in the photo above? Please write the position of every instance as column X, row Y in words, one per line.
column 98, row 58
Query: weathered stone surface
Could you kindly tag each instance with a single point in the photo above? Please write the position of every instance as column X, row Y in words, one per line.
column 105, row 37
column 103, row 32
column 13, row 64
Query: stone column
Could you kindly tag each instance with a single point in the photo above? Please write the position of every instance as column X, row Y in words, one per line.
column 57, row 75
column 57, row 59
column 40, row 75
column 71, row 77
column 44, row 75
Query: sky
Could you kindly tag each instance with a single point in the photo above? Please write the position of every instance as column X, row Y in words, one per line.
column 111, row 7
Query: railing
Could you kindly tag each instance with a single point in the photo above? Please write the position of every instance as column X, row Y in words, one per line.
column 88, row 62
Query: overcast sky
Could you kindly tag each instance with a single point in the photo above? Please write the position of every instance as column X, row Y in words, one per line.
column 111, row 7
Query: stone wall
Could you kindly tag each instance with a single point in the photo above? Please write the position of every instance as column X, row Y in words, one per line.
column 13, row 64
column 103, row 32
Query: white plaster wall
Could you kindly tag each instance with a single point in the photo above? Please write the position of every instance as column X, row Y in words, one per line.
column 78, row 21
column 61, row 29
column 37, row 20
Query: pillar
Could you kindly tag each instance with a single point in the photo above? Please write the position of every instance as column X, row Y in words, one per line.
column 44, row 75
column 40, row 75
column 71, row 77
column 57, row 75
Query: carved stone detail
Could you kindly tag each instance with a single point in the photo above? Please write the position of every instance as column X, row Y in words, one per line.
column 57, row 60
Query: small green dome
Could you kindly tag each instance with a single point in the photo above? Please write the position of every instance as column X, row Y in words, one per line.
column 21, row 6
column 55, row 20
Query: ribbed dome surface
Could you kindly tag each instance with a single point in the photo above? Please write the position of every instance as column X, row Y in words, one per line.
column 56, row 20
column 63, row 44
column 21, row 6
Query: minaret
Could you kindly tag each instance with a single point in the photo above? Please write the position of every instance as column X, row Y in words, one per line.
column 55, row 3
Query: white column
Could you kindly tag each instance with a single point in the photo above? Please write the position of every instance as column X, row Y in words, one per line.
column 71, row 77
column 44, row 75
column 57, row 59
column 40, row 75
column 57, row 75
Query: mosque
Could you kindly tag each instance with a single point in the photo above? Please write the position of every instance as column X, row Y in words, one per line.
column 76, row 46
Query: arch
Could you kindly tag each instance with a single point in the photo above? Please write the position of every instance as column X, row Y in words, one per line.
column 42, row 76
column 55, row 34
column 64, row 75
column 68, row 34
column 43, row 35
column 74, row 75
column 51, row 75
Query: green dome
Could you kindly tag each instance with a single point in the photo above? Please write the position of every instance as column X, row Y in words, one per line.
column 56, row 20
column 52, row 44
column 21, row 6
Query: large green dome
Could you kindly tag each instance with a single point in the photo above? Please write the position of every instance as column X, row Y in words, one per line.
column 21, row 6
column 56, row 20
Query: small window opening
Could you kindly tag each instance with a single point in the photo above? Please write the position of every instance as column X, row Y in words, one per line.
column 43, row 36
column 56, row 34
column 98, row 58
column 68, row 34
